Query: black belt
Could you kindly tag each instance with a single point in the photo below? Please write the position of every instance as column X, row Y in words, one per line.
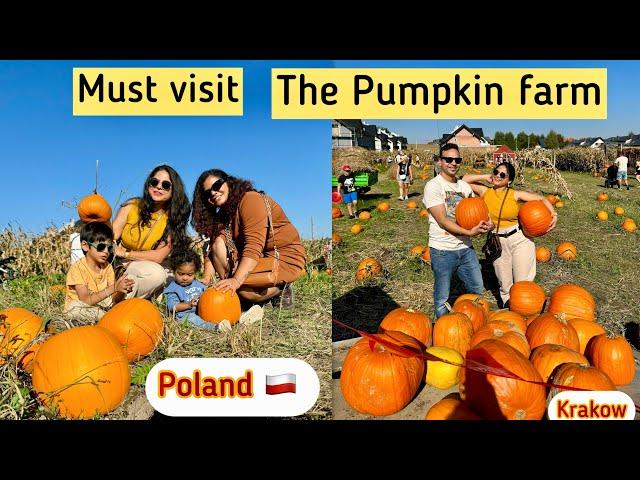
column 505, row 235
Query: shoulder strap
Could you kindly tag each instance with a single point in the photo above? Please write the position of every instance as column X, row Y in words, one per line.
column 152, row 228
column 270, row 221
column 502, row 205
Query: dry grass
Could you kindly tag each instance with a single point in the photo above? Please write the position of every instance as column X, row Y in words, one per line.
column 301, row 332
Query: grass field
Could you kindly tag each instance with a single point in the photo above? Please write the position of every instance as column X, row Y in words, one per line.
column 301, row 332
column 606, row 265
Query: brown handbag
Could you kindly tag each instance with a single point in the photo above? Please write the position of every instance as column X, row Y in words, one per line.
column 265, row 273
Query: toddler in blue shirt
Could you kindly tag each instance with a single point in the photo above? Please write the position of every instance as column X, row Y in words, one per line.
column 184, row 292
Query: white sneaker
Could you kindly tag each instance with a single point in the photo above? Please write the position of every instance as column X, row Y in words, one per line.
column 224, row 326
column 251, row 316
column 406, row 198
column 400, row 198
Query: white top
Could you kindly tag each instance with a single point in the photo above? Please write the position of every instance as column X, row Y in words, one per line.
column 76, row 248
column 438, row 191
column 622, row 162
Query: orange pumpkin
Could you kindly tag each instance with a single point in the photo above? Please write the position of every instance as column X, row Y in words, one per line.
column 377, row 380
column 602, row 215
column 471, row 211
column 412, row 205
column 18, row 328
column 336, row 239
column 575, row 302
column 474, row 297
column 336, row 212
column 543, row 254
column 368, row 268
column 58, row 289
column 453, row 330
column 579, row 376
column 559, row 204
column 509, row 316
column 546, row 358
column 137, row 324
column 364, row 215
column 414, row 323
column 383, row 207
column 451, row 407
column 603, row 197
column 552, row 199
column 535, row 218
column 81, row 372
column 357, row 228
column 526, row 298
column 215, row 306
column 550, row 328
column 629, row 226
column 424, row 213
column 94, row 208
column 417, row 250
column 329, row 271
column 25, row 362
column 618, row 211
column 567, row 251
column 474, row 311
column 613, row 355
column 586, row 330
column 497, row 397
column 507, row 333
column 426, row 255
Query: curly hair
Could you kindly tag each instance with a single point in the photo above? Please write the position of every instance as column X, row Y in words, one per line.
column 183, row 256
column 178, row 208
column 209, row 220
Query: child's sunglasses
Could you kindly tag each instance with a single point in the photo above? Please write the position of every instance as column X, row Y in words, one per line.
column 217, row 185
column 165, row 184
column 102, row 246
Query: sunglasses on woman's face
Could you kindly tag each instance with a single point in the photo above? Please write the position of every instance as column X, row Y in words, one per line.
column 164, row 184
column 217, row 185
column 102, row 246
column 497, row 173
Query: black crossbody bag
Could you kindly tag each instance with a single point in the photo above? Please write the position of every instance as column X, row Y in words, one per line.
column 492, row 247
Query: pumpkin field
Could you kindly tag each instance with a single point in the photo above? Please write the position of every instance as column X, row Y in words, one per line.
column 381, row 270
column 63, row 349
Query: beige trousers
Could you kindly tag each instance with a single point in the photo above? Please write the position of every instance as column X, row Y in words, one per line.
column 517, row 262
column 84, row 313
column 149, row 279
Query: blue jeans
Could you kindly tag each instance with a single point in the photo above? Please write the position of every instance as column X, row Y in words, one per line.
column 444, row 263
column 194, row 319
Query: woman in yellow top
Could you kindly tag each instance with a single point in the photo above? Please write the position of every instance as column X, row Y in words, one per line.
column 148, row 228
column 518, row 259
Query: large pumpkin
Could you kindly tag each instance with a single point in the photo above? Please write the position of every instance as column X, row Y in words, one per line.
column 535, row 218
column 451, row 408
column 137, row 324
column 483, row 302
column 215, row 306
column 441, row 374
column 586, row 330
column 453, row 330
column 613, row 355
column 547, row 357
column 368, row 268
column 94, row 208
column 376, row 380
column 497, row 397
column 474, row 310
column 526, row 298
column 471, row 211
column 551, row 328
column 579, row 376
column 507, row 333
column 18, row 327
column 574, row 301
column 509, row 316
column 567, row 251
column 81, row 372
column 414, row 323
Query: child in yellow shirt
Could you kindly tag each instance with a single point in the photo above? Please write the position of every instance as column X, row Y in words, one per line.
column 91, row 285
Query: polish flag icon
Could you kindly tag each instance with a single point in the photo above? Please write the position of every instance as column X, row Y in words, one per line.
column 285, row 383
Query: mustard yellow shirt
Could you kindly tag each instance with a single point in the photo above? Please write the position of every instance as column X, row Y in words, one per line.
column 136, row 237
column 81, row 274
column 509, row 217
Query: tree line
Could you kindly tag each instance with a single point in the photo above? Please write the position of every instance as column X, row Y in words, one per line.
column 529, row 140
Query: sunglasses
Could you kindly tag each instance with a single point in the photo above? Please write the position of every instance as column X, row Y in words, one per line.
column 102, row 246
column 165, row 184
column 496, row 173
column 217, row 185
column 458, row 160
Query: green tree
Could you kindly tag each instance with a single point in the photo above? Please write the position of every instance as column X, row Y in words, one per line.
column 522, row 140
column 534, row 139
column 551, row 140
column 498, row 139
column 510, row 140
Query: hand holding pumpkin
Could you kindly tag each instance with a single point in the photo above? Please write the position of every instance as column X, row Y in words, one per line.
column 483, row 227
column 553, row 222
column 227, row 284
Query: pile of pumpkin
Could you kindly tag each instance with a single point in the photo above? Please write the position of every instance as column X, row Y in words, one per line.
column 564, row 346
column 628, row 224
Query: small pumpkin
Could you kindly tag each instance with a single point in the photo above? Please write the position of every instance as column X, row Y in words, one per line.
column 383, row 207
column 426, row 255
column 451, row 407
column 546, row 358
column 58, row 289
column 441, row 374
column 424, row 213
column 543, row 254
column 602, row 215
column 18, row 328
column 412, row 205
column 377, row 380
column 215, row 306
column 94, row 208
column 535, row 218
column 526, row 298
column 629, row 226
column 552, row 199
column 335, row 212
column 356, row 229
column 336, row 239
column 559, row 204
column 417, row 250
column 567, row 251
column 613, row 355
column 602, row 197
column 471, row 211
column 364, row 216
column 368, row 269
column 453, row 330
column 411, row 322
column 618, row 211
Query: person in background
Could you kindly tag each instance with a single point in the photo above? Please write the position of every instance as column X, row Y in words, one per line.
column 622, row 163
column 347, row 187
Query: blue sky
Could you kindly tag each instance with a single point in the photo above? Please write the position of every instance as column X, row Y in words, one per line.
column 623, row 98
column 48, row 156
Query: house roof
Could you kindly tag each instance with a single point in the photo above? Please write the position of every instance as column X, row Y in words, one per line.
column 504, row 149
column 353, row 124
column 476, row 132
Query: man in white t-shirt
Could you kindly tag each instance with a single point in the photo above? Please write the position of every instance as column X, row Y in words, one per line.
column 449, row 244
column 622, row 163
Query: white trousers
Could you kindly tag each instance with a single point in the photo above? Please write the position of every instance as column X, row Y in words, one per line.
column 517, row 262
